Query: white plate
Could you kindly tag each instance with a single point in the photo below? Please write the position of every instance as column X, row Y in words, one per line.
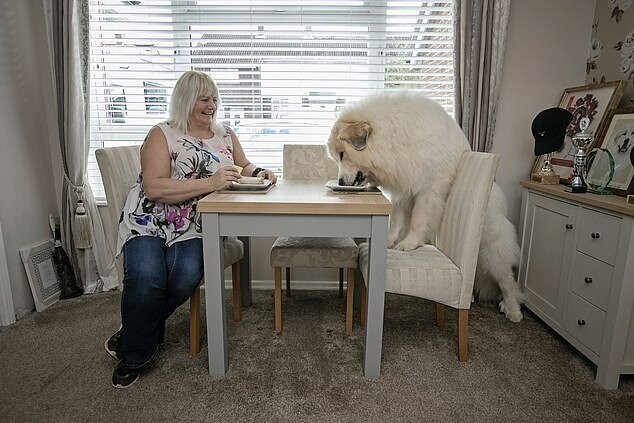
column 250, row 187
column 334, row 185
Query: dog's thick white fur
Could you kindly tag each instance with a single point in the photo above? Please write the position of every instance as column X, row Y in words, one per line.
column 408, row 145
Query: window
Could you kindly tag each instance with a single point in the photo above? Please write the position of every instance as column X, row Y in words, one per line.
column 116, row 105
column 155, row 97
column 284, row 68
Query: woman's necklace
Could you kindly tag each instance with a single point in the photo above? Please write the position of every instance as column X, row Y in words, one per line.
column 208, row 135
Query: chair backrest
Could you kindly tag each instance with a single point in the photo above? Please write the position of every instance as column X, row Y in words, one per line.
column 308, row 162
column 465, row 213
column 119, row 167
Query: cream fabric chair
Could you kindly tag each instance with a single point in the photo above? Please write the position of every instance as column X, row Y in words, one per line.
column 310, row 163
column 120, row 167
column 445, row 273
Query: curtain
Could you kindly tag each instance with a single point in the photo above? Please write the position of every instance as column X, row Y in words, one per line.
column 83, row 234
column 480, row 38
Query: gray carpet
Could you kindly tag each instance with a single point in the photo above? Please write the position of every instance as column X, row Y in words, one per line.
column 53, row 368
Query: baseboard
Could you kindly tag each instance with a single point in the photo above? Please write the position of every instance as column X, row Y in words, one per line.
column 268, row 284
column 297, row 284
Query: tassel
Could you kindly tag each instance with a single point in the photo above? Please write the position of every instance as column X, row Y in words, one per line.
column 82, row 228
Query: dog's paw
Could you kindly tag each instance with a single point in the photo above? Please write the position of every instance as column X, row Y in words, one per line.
column 406, row 245
column 513, row 313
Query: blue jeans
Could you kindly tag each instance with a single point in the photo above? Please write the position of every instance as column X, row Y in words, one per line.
column 157, row 279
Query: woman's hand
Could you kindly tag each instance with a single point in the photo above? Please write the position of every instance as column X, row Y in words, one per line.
column 267, row 174
column 223, row 178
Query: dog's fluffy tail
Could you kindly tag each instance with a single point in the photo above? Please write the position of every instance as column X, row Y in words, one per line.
column 498, row 256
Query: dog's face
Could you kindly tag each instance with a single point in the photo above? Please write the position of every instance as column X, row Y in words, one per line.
column 348, row 145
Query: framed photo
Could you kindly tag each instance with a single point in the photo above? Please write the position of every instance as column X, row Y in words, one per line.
column 38, row 263
column 618, row 138
column 593, row 101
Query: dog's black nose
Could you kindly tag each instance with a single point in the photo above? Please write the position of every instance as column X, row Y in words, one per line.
column 340, row 181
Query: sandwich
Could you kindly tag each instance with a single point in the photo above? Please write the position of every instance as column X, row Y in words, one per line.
column 251, row 180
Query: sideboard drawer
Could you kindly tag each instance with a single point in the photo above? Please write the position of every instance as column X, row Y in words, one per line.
column 599, row 235
column 584, row 321
column 591, row 280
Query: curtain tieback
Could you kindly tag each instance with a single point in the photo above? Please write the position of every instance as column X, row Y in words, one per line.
column 82, row 233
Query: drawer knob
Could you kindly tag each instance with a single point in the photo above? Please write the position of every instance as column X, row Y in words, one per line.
column 581, row 322
column 595, row 235
column 587, row 279
column 569, row 226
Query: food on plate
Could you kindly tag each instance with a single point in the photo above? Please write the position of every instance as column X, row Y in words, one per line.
column 251, row 180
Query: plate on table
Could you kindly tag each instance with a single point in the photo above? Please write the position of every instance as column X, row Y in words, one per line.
column 362, row 189
column 264, row 186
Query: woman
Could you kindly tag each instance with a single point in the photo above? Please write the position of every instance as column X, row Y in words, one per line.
column 182, row 159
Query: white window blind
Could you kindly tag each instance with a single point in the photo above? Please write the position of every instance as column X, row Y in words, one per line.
column 284, row 68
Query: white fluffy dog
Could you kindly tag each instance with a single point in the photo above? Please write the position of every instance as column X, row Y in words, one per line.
column 408, row 145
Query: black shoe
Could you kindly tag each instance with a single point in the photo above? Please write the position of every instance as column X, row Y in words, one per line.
column 123, row 376
column 112, row 345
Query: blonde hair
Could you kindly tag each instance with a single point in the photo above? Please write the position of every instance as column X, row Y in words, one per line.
column 188, row 88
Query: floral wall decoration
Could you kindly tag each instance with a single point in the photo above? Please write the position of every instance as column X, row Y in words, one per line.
column 611, row 51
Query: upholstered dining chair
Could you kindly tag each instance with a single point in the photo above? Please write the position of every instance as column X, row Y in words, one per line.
column 119, row 168
column 310, row 163
column 445, row 273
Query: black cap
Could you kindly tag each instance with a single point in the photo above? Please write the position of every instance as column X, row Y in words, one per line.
column 549, row 129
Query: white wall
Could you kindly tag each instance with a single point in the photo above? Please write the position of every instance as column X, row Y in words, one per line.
column 27, row 188
column 546, row 52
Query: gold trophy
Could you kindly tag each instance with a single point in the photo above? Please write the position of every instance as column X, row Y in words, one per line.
column 546, row 174
column 549, row 129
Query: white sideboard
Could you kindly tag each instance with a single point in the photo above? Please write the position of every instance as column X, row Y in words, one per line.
column 577, row 272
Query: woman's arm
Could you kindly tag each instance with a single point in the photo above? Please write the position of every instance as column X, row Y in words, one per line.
column 240, row 159
column 156, row 170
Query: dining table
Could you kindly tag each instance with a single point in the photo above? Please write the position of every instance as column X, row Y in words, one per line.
column 298, row 209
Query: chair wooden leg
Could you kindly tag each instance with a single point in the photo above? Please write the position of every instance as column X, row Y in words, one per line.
column 237, row 300
column 440, row 315
column 194, row 323
column 349, row 301
column 278, row 299
column 463, row 321
column 340, row 282
column 288, row 281
column 344, row 299
column 364, row 303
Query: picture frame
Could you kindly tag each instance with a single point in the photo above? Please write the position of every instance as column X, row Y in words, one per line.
column 593, row 101
column 40, row 271
column 618, row 138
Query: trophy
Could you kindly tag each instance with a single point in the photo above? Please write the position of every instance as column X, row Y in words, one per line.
column 599, row 171
column 549, row 129
column 546, row 174
column 581, row 141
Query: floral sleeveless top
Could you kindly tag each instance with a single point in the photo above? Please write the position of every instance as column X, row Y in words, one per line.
column 192, row 158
